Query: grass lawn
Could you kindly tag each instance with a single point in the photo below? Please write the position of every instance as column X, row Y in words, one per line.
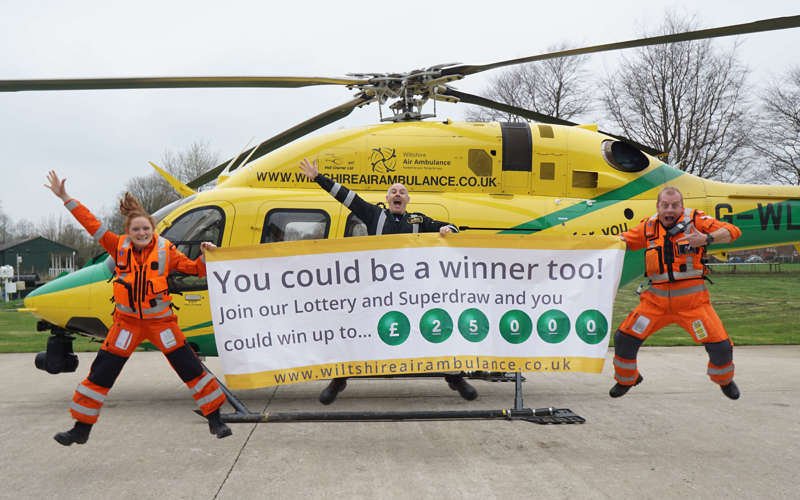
column 756, row 308
column 18, row 332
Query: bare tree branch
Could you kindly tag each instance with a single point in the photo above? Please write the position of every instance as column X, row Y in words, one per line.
column 686, row 99
column 154, row 192
column 555, row 87
column 777, row 136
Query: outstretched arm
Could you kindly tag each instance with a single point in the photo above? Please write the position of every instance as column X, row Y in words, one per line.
column 99, row 231
column 433, row 226
column 365, row 211
column 184, row 264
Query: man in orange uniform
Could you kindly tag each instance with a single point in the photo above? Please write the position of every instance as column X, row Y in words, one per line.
column 142, row 261
column 675, row 240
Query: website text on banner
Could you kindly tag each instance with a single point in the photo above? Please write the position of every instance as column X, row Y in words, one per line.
column 385, row 305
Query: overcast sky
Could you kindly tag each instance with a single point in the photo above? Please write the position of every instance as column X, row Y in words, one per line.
column 100, row 139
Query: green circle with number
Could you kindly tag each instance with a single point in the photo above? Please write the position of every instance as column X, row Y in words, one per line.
column 516, row 326
column 436, row 325
column 591, row 326
column 394, row 327
column 553, row 326
column 473, row 325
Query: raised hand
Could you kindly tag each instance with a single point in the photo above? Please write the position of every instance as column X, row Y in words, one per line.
column 57, row 185
column 309, row 169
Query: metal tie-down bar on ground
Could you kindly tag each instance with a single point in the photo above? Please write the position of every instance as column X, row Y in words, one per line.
column 242, row 414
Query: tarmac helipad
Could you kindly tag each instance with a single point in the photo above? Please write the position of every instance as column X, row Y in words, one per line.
column 674, row 436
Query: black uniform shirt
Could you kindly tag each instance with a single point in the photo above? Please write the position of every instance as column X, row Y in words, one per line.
column 381, row 220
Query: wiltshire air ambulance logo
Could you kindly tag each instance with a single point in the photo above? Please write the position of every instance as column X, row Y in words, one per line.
column 383, row 160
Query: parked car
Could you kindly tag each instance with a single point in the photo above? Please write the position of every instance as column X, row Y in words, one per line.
column 751, row 259
column 735, row 259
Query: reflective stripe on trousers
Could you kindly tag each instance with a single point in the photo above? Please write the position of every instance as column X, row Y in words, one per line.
column 720, row 374
column 625, row 371
column 88, row 401
column 206, row 392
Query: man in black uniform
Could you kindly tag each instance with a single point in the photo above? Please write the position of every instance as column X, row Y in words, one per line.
column 392, row 220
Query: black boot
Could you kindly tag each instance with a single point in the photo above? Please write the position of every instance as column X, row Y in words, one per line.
column 457, row 383
column 78, row 434
column 216, row 426
column 731, row 390
column 620, row 390
column 328, row 394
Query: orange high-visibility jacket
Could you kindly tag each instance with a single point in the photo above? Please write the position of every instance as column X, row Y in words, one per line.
column 140, row 285
column 140, row 288
column 667, row 257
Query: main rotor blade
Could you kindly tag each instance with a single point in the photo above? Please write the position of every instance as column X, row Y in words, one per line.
column 777, row 23
column 284, row 138
column 158, row 82
column 506, row 108
column 539, row 117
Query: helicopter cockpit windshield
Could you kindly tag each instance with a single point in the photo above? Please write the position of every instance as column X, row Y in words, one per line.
column 194, row 227
column 186, row 233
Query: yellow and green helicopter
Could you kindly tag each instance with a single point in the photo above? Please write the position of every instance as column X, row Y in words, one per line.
column 552, row 176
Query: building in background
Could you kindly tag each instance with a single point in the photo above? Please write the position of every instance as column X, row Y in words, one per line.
column 36, row 258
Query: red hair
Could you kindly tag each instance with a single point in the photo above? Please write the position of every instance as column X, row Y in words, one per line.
column 130, row 208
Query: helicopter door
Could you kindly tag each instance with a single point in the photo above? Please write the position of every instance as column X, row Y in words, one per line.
column 212, row 223
column 517, row 153
column 549, row 162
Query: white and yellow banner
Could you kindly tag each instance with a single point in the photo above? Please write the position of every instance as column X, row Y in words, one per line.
column 386, row 305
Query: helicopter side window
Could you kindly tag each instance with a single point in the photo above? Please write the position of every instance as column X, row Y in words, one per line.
column 623, row 156
column 354, row 227
column 291, row 225
column 186, row 233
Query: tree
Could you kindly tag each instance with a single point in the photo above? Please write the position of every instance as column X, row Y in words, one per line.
column 555, row 87
column 22, row 229
column 686, row 99
column 777, row 137
column 61, row 229
column 5, row 226
column 190, row 164
column 153, row 192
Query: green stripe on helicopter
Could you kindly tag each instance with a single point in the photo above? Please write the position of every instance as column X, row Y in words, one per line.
column 657, row 177
column 85, row 276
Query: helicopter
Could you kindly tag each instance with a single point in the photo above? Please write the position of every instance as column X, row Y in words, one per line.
column 551, row 176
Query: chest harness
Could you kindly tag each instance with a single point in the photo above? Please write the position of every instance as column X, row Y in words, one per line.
column 141, row 290
column 668, row 256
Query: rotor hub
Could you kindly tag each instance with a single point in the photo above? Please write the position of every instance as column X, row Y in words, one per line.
column 410, row 91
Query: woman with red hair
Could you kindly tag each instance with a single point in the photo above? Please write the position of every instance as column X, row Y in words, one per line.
column 143, row 311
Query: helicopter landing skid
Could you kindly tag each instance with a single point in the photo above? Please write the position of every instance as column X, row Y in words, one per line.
column 542, row 416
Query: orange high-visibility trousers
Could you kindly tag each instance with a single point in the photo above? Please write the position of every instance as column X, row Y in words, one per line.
column 687, row 304
column 124, row 336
